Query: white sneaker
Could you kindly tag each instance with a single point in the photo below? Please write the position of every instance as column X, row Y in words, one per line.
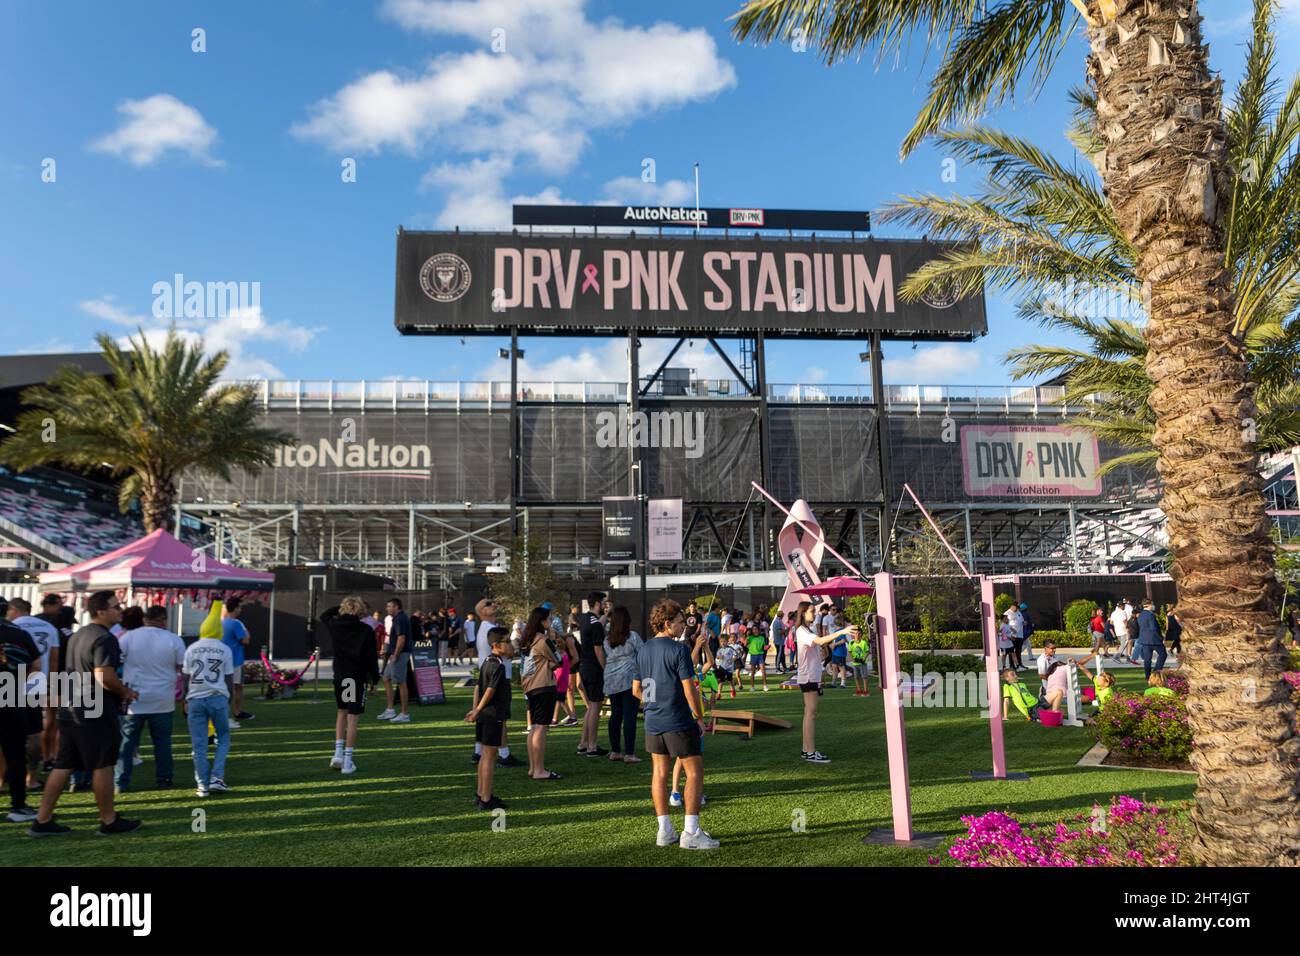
column 336, row 762
column 667, row 839
column 401, row 719
column 217, row 785
column 674, row 799
column 389, row 714
column 136, row 759
column 27, row 815
column 201, row 792
column 235, row 725
column 349, row 767
column 699, row 840
column 816, row 757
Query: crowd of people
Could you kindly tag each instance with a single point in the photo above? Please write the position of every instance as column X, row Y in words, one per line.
column 1137, row 638
column 91, row 691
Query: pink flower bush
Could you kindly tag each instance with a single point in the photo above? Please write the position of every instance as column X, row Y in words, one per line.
column 1152, row 727
column 1128, row 833
column 1176, row 682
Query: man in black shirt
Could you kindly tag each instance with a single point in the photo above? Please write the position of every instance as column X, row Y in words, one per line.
column 490, row 713
column 89, row 732
column 18, row 654
column 591, row 673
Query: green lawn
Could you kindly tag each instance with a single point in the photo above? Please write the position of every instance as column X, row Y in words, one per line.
column 410, row 802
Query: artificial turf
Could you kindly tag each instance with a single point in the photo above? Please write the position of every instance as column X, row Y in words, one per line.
column 410, row 803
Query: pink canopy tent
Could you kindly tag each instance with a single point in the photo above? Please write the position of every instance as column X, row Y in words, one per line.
column 158, row 565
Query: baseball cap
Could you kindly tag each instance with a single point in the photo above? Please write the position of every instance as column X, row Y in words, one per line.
column 547, row 606
column 1024, row 607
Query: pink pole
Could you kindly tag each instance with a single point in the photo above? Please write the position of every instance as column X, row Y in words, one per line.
column 900, row 790
column 960, row 564
column 989, row 620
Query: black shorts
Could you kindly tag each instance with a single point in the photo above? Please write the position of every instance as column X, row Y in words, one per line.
column 678, row 743
column 812, row 687
column 90, row 745
column 489, row 733
column 541, row 705
column 352, row 696
column 593, row 683
column 34, row 719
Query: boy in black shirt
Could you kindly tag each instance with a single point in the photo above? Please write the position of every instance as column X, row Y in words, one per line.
column 490, row 714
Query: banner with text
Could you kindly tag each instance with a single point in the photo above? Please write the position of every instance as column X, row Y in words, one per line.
column 620, row 540
column 481, row 283
column 665, row 528
column 1029, row 460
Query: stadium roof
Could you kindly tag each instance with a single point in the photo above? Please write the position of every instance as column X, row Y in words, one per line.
column 21, row 371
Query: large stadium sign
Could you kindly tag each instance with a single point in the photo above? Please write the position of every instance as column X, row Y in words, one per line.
column 481, row 284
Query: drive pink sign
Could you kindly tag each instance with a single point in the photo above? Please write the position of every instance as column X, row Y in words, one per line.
column 1039, row 461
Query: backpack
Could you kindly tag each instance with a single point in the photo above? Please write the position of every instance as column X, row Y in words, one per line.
column 1028, row 629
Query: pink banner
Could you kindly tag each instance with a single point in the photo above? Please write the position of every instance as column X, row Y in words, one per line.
column 1037, row 461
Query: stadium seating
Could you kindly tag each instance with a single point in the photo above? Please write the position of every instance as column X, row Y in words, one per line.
column 75, row 528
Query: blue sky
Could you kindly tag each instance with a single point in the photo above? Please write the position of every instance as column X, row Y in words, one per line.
column 225, row 165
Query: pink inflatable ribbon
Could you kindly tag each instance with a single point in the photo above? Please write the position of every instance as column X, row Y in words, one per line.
column 802, row 557
column 591, row 272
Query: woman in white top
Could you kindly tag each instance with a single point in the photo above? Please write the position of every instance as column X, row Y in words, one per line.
column 809, row 646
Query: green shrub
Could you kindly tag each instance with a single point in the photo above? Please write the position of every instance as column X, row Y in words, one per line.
column 1002, row 603
column 705, row 602
column 857, row 609
column 1143, row 726
column 1059, row 638
column 945, row 640
column 1078, row 616
column 941, row 663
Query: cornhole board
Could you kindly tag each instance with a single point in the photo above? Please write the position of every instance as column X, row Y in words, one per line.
column 745, row 721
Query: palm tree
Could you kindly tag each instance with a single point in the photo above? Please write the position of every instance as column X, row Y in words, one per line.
column 1043, row 230
column 1166, row 171
column 158, row 414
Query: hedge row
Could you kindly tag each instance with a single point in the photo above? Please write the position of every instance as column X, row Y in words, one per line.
column 970, row 640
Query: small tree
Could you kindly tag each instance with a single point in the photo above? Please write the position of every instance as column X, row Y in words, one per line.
column 526, row 582
column 939, row 595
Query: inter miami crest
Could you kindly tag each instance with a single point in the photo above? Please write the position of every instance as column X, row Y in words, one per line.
column 445, row 277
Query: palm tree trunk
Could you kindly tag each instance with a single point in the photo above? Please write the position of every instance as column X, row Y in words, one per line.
column 1166, row 174
column 157, row 501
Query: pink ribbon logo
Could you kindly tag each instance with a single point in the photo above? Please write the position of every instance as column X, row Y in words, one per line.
column 801, row 557
column 591, row 272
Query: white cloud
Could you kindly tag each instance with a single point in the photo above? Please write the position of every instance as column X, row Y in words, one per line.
column 155, row 125
column 554, row 77
column 932, row 364
column 105, row 308
column 233, row 333
column 631, row 190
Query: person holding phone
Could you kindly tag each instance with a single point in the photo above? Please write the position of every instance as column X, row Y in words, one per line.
column 810, row 673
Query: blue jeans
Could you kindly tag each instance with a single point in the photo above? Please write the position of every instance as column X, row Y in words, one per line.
column 1146, row 651
column 160, row 732
column 203, row 709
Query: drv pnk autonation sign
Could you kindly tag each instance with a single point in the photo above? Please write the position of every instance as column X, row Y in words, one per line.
column 460, row 283
column 1040, row 461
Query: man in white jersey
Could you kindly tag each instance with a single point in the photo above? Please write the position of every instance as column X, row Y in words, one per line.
column 1119, row 621
column 152, row 657
column 210, row 667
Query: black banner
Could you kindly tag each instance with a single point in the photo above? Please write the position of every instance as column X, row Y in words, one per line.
column 483, row 283
column 688, row 217
column 620, row 537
